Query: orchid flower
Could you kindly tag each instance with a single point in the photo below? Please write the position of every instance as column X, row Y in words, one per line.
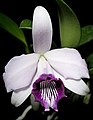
column 45, row 73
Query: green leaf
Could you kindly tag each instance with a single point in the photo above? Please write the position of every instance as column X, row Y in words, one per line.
column 69, row 25
column 90, row 60
column 90, row 64
column 91, row 71
column 86, row 99
column 26, row 24
column 86, row 34
column 10, row 26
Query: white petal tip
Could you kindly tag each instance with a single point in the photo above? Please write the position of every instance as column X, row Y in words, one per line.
column 84, row 91
column 87, row 91
column 39, row 8
column 47, row 110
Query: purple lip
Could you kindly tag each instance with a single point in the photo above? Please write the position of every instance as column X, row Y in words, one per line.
column 48, row 90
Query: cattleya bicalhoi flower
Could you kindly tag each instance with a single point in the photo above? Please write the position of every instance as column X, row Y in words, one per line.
column 45, row 73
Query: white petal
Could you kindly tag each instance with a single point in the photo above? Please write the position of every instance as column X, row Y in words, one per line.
column 19, row 71
column 41, row 30
column 68, row 63
column 20, row 96
column 79, row 87
column 43, row 68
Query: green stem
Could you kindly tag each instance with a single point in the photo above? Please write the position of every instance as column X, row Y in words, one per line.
column 24, row 113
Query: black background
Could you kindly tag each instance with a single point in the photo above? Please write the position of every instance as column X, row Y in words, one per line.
column 18, row 10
